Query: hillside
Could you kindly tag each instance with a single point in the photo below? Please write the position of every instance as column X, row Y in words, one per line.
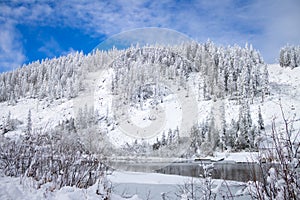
column 144, row 96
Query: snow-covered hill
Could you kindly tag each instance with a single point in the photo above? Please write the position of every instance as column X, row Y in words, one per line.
column 284, row 88
column 131, row 101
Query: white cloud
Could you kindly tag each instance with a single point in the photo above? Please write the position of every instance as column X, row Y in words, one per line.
column 267, row 24
column 51, row 47
column 281, row 26
column 11, row 52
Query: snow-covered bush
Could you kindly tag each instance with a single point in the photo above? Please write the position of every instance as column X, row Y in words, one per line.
column 52, row 157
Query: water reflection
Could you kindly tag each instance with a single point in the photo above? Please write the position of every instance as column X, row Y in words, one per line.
column 222, row 170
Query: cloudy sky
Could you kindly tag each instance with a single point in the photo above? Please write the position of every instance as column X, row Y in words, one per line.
column 32, row 30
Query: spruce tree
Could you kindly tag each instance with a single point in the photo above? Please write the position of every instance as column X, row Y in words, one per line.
column 29, row 122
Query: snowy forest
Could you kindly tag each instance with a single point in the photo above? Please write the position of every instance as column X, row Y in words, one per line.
column 290, row 56
column 61, row 77
column 234, row 73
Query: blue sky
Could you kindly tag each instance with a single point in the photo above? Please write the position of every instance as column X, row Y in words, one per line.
column 32, row 30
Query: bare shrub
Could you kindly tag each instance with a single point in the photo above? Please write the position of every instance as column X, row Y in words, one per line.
column 280, row 165
column 52, row 157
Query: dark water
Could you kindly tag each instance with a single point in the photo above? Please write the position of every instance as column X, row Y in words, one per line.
column 221, row 170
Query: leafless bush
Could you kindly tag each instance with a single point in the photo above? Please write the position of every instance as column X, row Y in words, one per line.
column 280, row 165
column 52, row 157
column 199, row 188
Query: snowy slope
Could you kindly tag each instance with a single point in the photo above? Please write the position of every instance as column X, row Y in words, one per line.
column 44, row 115
column 284, row 89
column 284, row 85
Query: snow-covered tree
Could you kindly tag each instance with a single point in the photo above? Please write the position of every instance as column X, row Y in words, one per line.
column 261, row 125
column 289, row 56
column 245, row 137
column 8, row 124
column 29, row 122
column 163, row 139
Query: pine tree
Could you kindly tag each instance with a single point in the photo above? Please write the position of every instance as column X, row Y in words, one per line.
column 232, row 134
column 8, row 123
column 265, row 82
column 261, row 125
column 170, row 137
column 195, row 138
column 29, row 122
column 163, row 139
column 245, row 138
column 223, row 131
column 176, row 135
column 281, row 57
column 12, row 99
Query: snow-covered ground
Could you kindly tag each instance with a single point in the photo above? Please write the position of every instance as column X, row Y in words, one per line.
column 12, row 189
column 129, row 185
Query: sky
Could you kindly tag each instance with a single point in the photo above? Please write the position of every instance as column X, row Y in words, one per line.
column 33, row 30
